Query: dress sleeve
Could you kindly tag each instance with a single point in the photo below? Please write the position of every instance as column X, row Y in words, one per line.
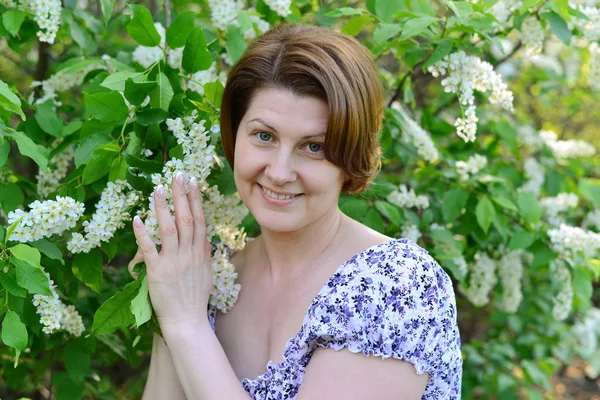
column 403, row 306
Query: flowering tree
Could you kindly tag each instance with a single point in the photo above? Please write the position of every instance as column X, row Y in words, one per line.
column 121, row 99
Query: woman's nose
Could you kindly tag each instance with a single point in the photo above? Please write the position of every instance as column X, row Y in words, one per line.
column 280, row 168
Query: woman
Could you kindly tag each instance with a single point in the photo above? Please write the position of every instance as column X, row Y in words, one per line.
column 320, row 292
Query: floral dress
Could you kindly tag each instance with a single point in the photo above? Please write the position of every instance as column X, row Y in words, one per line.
column 390, row 300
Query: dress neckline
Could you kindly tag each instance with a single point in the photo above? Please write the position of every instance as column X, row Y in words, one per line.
column 270, row 364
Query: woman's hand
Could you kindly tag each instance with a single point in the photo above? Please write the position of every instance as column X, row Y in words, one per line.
column 180, row 277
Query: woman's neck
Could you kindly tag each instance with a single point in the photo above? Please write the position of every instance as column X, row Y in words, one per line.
column 288, row 254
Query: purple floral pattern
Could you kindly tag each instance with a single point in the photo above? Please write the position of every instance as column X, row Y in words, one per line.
column 390, row 300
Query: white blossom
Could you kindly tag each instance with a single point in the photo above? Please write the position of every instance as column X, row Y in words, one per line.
column 563, row 149
column 532, row 36
column 473, row 165
column 71, row 321
column 482, row 280
column 281, row 7
column 461, row 266
column 46, row 13
column 112, row 211
column 530, row 138
column 563, row 302
column 510, row 271
column 592, row 219
column 44, row 219
column 568, row 241
column 535, row 174
column 590, row 26
column 503, row 9
column 51, row 179
column 224, row 292
column 404, row 198
column 553, row 206
column 415, row 134
column 466, row 74
column 411, row 232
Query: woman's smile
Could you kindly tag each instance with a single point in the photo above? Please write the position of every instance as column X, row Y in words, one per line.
column 278, row 198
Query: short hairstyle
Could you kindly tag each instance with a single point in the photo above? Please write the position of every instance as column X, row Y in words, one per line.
column 318, row 62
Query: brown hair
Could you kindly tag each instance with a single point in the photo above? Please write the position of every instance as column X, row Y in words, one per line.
column 318, row 62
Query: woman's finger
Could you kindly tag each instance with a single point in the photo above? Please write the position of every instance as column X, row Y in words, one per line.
column 166, row 225
column 183, row 216
column 145, row 245
column 195, row 200
column 138, row 258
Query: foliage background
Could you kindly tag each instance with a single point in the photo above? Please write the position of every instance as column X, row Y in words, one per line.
column 508, row 353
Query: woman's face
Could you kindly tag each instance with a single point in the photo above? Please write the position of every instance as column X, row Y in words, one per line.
column 280, row 168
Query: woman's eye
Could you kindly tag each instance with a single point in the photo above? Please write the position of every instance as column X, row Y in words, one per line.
column 315, row 147
column 263, row 136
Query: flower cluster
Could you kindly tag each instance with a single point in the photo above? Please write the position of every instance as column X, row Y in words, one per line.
column 593, row 74
column 465, row 75
column 415, row 134
column 563, row 149
column 563, row 302
column 224, row 292
column 535, row 173
column 482, row 280
column 223, row 215
column 510, row 271
column 568, row 241
column 530, row 137
column 472, row 166
column 587, row 333
column 462, row 268
column 281, row 7
column 402, row 197
column 592, row 219
column 50, row 180
column 503, row 9
column 411, row 232
column 46, row 13
column 112, row 211
column 55, row 315
column 553, row 206
column 63, row 81
column 224, row 13
column 532, row 36
column 589, row 26
column 44, row 219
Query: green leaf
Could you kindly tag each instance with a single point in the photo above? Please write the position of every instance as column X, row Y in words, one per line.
column 536, row 375
column 213, row 92
column 115, row 313
column 521, row 240
column 196, row 56
column 11, row 196
column 83, row 37
column 443, row 48
column 153, row 136
column 14, row 333
column 12, row 20
column 107, row 9
column 9, row 282
column 391, row 212
column 416, row 26
column 84, row 151
column 235, row 43
column 504, row 202
column 106, row 106
column 529, row 207
column 136, row 93
column 141, row 27
column 461, row 9
column 385, row 9
column 141, row 308
column 100, row 163
column 118, row 169
column 48, row 120
column 10, row 101
column 28, row 148
column 373, row 220
column 527, row 4
column 413, row 56
column 180, row 29
column 384, row 32
column 354, row 207
column 26, row 253
column 355, row 25
column 117, row 80
column 77, row 360
column 4, row 150
column 160, row 96
column 87, row 267
column 589, row 188
column 559, row 27
column 49, row 249
column 455, row 201
column 582, row 285
column 344, row 11
column 485, row 213
column 151, row 116
column 31, row 278
column 12, row 227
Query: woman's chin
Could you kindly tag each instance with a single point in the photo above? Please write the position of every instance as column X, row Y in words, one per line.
column 276, row 223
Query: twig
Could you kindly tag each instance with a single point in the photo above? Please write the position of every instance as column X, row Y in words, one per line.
column 509, row 55
column 167, row 13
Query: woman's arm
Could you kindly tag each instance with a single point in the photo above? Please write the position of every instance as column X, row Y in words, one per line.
column 162, row 382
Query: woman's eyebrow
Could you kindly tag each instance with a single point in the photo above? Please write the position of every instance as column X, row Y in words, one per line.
column 275, row 130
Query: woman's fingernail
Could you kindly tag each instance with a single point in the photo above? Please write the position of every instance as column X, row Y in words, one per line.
column 179, row 178
column 194, row 183
column 137, row 221
column 160, row 192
